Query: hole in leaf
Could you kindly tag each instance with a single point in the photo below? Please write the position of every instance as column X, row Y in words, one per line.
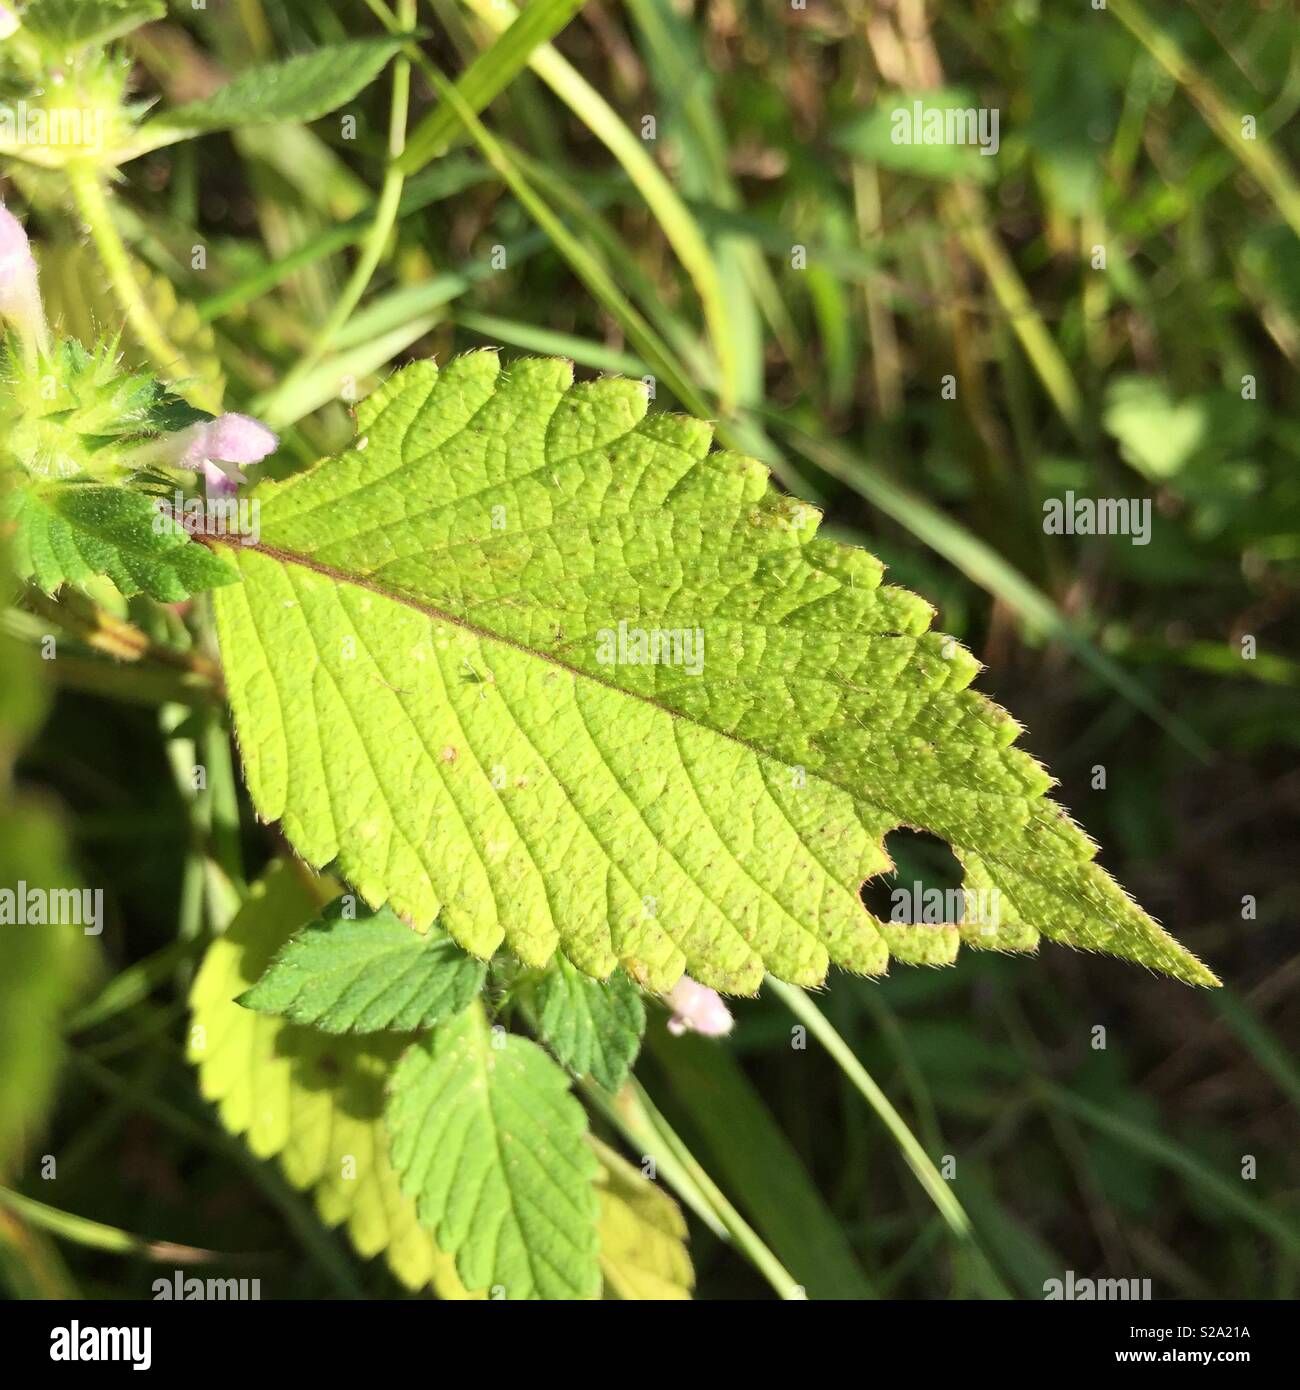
column 926, row 880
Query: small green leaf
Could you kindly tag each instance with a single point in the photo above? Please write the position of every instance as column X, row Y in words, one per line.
column 1157, row 435
column 58, row 25
column 593, row 1028
column 367, row 975
column 65, row 533
column 300, row 89
column 492, row 1146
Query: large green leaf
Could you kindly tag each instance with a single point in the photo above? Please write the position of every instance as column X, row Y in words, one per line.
column 417, row 662
column 367, row 974
column 493, row 1148
column 69, row 532
column 311, row 1101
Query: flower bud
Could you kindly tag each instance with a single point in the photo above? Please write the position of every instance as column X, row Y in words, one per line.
column 215, row 448
column 20, row 299
column 697, row 1009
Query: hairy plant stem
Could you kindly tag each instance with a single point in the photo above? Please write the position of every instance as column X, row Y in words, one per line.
column 92, row 205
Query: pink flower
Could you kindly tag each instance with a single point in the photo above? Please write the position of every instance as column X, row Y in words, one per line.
column 20, row 299
column 697, row 1009
column 216, row 448
column 8, row 22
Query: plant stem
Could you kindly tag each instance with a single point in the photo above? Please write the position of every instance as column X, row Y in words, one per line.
column 98, row 1236
column 83, row 619
column 965, row 210
column 801, row 1004
column 224, row 825
column 88, row 194
column 625, row 1113
column 376, row 238
column 214, row 869
column 634, row 1114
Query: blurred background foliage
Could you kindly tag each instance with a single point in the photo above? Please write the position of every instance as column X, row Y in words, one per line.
column 775, row 261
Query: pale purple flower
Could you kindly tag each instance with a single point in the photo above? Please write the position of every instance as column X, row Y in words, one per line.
column 20, row 299
column 697, row 1009
column 8, row 22
column 216, row 448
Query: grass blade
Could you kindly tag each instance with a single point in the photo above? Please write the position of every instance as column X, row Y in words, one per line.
column 487, row 77
column 765, row 1172
column 679, row 227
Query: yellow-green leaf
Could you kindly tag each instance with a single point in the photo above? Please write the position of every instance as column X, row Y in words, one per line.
column 536, row 659
column 642, row 1234
column 311, row 1101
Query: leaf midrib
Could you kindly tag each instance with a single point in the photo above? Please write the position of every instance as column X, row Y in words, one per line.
column 429, row 610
